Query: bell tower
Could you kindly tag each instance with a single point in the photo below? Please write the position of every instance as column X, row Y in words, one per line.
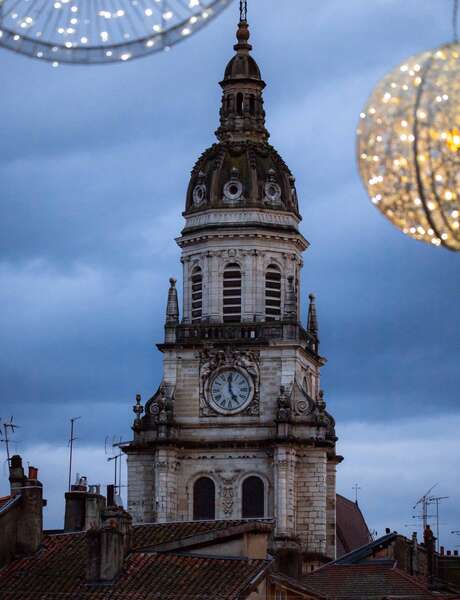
column 238, row 427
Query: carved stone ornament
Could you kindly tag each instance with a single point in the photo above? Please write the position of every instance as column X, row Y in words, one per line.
column 233, row 189
column 244, row 362
column 159, row 409
column 272, row 190
column 227, row 491
column 199, row 191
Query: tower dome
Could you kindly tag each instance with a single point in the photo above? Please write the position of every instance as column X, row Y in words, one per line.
column 242, row 172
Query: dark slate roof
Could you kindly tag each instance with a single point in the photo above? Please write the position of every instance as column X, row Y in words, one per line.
column 6, row 502
column 360, row 554
column 352, row 530
column 57, row 572
column 370, row 581
column 155, row 535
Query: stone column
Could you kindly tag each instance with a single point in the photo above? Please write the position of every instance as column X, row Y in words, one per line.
column 331, row 470
column 284, row 478
column 166, row 467
column 311, row 499
column 141, row 487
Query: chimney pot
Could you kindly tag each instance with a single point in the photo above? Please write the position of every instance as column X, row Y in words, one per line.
column 111, row 495
column 455, row 552
column 33, row 473
column 449, row 553
column 387, row 530
column 442, row 550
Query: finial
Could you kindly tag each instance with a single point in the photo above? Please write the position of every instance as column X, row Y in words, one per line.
column 172, row 310
column 312, row 326
column 243, row 35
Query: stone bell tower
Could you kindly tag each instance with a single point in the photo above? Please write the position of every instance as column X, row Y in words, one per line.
column 238, row 427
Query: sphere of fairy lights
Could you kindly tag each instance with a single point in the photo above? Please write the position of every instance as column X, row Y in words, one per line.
column 100, row 31
column 409, row 147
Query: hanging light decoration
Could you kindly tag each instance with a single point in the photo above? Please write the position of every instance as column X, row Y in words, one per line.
column 100, row 31
column 409, row 146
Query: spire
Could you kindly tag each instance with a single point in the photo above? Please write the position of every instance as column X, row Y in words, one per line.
column 242, row 116
column 172, row 310
column 312, row 326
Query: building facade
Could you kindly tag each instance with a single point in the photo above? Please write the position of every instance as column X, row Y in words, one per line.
column 238, row 427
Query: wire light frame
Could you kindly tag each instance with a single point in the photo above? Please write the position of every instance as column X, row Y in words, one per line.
column 409, row 146
column 100, row 31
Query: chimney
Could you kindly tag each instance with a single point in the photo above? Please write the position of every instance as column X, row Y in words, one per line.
column 29, row 525
column 449, row 553
column 108, row 546
column 83, row 506
column 387, row 530
column 442, row 550
column 455, row 552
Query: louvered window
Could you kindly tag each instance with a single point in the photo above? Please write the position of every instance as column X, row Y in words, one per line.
column 273, row 293
column 197, row 295
column 232, row 294
column 204, row 500
column 253, row 498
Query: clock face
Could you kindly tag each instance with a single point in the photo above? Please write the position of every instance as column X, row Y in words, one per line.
column 231, row 391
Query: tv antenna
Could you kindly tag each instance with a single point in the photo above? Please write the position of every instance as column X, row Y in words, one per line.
column 72, row 439
column 9, row 428
column 425, row 502
column 117, row 459
column 356, row 489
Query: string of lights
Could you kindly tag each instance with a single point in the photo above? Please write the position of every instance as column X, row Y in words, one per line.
column 100, row 31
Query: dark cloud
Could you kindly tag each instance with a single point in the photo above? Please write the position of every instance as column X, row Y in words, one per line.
column 94, row 164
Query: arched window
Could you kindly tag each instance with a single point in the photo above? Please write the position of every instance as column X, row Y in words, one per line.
column 253, row 498
column 273, row 293
column 252, row 104
column 232, row 294
column 239, row 104
column 204, row 500
column 197, row 295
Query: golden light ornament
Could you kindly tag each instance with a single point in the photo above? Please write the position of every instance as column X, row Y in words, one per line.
column 409, row 146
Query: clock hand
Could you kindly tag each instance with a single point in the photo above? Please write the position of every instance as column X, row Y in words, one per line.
column 230, row 389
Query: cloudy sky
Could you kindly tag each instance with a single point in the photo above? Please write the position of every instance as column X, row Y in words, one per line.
column 94, row 164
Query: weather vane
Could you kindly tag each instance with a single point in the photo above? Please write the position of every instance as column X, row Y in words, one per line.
column 243, row 10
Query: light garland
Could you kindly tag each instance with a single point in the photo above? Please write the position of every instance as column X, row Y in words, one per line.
column 409, row 147
column 100, row 31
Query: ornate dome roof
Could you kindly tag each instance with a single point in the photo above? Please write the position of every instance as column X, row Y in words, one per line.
column 244, row 174
column 242, row 170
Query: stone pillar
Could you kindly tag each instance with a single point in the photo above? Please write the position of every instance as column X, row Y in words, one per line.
column 187, row 297
column 331, row 549
column 166, row 467
column 285, row 469
column 215, row 292
column 141, row 487
column 311, row 500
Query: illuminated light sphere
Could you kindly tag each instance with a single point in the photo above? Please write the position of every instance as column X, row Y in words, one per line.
column 95, row 31
column 409, row 147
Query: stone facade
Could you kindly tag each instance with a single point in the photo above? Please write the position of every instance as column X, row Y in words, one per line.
column 273, row 431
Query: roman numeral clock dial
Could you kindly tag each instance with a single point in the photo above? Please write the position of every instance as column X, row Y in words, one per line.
column 231, row 391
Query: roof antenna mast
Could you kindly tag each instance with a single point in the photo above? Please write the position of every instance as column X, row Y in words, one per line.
column 243, row 10
column 72, row 439
column 10, row 426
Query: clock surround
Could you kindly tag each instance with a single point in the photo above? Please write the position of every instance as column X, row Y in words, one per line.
column 230, row 390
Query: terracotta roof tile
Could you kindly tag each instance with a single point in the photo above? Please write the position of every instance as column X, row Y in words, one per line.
column 149, row 536
column 365, row 582
column 352, row 530
column 57, row 572
column 4, row 500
